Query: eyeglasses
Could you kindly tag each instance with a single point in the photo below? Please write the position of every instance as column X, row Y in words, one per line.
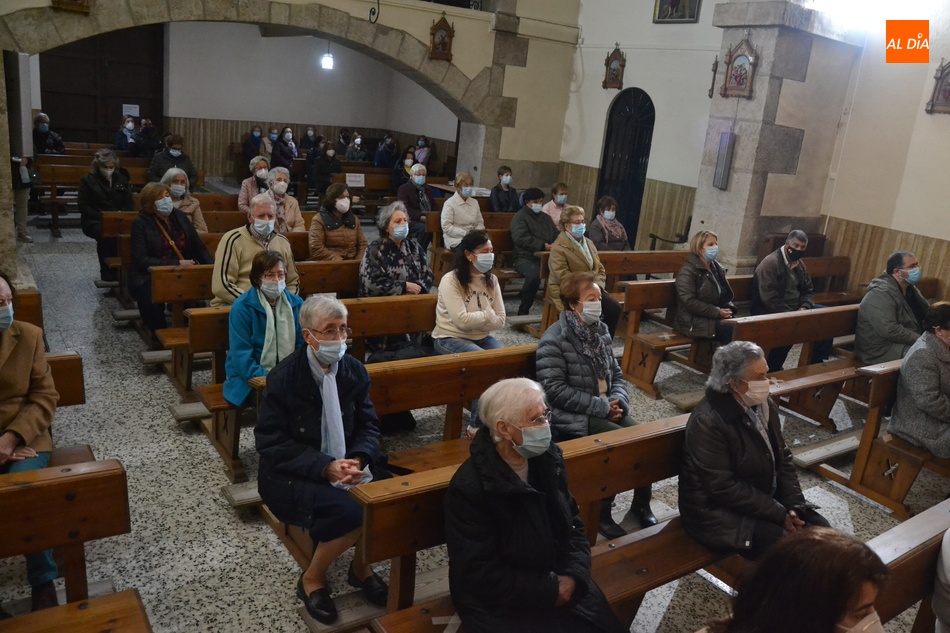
column 334, row 333
column 273, row 276
column 544, row 418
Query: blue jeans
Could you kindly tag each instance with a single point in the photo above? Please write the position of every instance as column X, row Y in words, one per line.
column 40, row 568
column 460, row 345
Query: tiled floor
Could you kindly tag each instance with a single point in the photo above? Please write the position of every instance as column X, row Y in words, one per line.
column 199, row 565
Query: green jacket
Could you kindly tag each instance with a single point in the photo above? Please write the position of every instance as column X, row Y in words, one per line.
column 887, row 323
column 530, row 231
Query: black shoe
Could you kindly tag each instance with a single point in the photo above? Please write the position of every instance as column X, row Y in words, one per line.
column 319, row 603
column 610, row 529
column 44, row 597
column 643, row 514
column 374, row 587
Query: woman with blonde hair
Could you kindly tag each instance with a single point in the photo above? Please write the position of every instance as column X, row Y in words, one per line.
column 703, row 295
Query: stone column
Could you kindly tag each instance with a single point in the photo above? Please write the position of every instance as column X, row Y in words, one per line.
column 785, row 132
column 8, row 256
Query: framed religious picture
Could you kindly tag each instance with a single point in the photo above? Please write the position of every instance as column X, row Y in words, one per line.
column 675, row 11
column 440, row 45
column 615, row 63
column 78, row 6
column 740, row 71
column 940, row 100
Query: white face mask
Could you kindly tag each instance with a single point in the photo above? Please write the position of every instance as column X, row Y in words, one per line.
column 870, row 624
column 331, row 153
column 484, row 262
column 407, row 162
column 757, row 393
column 280, row 188
column 343, row 205
column 107, row 172
column 261, row 173
column 590, row 311
column 288, row 136
column 272, row 289
column 130, row 126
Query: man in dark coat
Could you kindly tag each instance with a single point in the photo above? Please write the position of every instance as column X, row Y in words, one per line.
column 518, row 558
column 173, row 157
column 531, row 231
column 45, row 140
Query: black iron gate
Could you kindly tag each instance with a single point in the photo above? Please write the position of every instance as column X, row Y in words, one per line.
column 623, row 167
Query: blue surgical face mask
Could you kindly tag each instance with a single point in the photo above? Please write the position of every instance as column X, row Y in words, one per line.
column 578, row 230
column 164, row 206
column 273, row 136
column 331, row 352
column 174, row 152
column 484, row 262
column 6, row 318
column 466, row 192
column 506, row 179
column 421, row 143
column 561, row 199
column 400, row 232
column 178, row 190
column 535, row 440
column 264, row 227
column 272, row 289
column 913, row 276
column 610, row 215
column 256, row 134
column 712, row 252
column 44, row 127
column 419, row 180
column 537, row 208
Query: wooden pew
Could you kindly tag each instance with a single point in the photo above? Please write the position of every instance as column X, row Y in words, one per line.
column 28, row 307
column 66, row 368
column 121, row 612
column 810, row 390
column 836, row 271
column 86, row 160
column 409, row 511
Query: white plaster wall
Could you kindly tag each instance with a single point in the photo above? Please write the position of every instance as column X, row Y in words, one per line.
column 671, row 63
column 230, row 72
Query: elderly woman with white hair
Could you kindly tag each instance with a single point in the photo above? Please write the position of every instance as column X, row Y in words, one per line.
column 418, row 200
column 257, row 183
column 394, row 264
column 289, row 218
column 317, row 435
column 518, row 557
column 177, row 182
column 738, row 490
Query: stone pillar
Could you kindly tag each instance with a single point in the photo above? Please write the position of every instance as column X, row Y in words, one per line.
column 785, row 132
column 8, row 256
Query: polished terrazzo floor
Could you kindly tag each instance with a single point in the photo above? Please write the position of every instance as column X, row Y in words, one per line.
column 200, row 566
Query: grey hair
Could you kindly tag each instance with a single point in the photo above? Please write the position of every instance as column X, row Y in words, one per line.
column 508, row 400
column 797, row 234
column 318, row 309
column 730, row 362
column 415, row 169
column 386, row 214
column 260, row 200
column 251, row 165
column 171, row 173
column 104, row 156
column 272, row 175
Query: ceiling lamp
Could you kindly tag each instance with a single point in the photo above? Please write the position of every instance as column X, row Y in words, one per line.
column 327, row 61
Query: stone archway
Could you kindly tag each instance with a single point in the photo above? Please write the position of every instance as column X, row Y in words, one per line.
column 478, row 102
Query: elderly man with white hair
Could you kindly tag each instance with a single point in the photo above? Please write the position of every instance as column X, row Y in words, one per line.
column 317, row 435
column 738, row 489
column 289, row 218
column 419, row 203
column 237, row 248
column 518, row 558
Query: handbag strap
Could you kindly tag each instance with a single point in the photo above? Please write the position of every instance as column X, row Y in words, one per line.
column 171, row 242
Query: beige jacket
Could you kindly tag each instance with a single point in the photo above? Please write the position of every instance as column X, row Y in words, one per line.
column 190, row 206
column 292, row 216
column 232, row 264
column 567, row 257
column 458, row 218
column 470, row 315
column 27, row 393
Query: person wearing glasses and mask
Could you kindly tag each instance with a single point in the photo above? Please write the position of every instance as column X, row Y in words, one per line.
column 738, row 489
column 177, row 182
column 289, row 219
column 317, row 435
column 237, row 248
column 263, row 326
column 518, row 558
column 394, row 264
column 461, row 212
column 584, row 383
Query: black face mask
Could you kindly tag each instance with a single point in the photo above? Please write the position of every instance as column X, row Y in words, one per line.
column 793, row 254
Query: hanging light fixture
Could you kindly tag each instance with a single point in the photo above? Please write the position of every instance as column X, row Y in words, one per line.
column 327, row 61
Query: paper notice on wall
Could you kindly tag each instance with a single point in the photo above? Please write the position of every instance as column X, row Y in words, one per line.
column 130, row 109
column 356, row 180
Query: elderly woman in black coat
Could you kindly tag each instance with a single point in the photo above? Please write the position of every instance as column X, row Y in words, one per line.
column 161, row 236
column 518, row 558
column 738, row 489
column 317, row 435
column 584, row 383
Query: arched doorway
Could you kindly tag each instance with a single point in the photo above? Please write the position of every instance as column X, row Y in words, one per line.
column 623, row 166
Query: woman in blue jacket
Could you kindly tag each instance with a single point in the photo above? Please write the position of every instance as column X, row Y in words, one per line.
column 263, row 327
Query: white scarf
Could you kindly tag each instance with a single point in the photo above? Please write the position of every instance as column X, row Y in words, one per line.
column 582, row 244
column 280, row 334
column 332, row 440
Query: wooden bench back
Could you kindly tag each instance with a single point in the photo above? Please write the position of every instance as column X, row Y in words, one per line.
column 332, row 277
column 769, row 331
column 28, row 307
column 389, row 316
column 836, row 269
column 66, row 368
column 883, row 378
column 353, row 167
column 625, row 263
column 70, row 175
column 116, row 223
column 216, row 202
column 178, row 284
column 224, row 221
column 299, row 243
column 85, row 160
column 657, row 294
column 496, row 220
column 408, row 510
column 373, row 183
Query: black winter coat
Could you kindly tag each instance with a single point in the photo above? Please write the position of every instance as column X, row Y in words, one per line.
column 726, row 480
column 699, row 298
column 97, row 195
column 163, row 161
column 282, row 155
column 508, row 542
column 148, row 246
column 288, row 434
